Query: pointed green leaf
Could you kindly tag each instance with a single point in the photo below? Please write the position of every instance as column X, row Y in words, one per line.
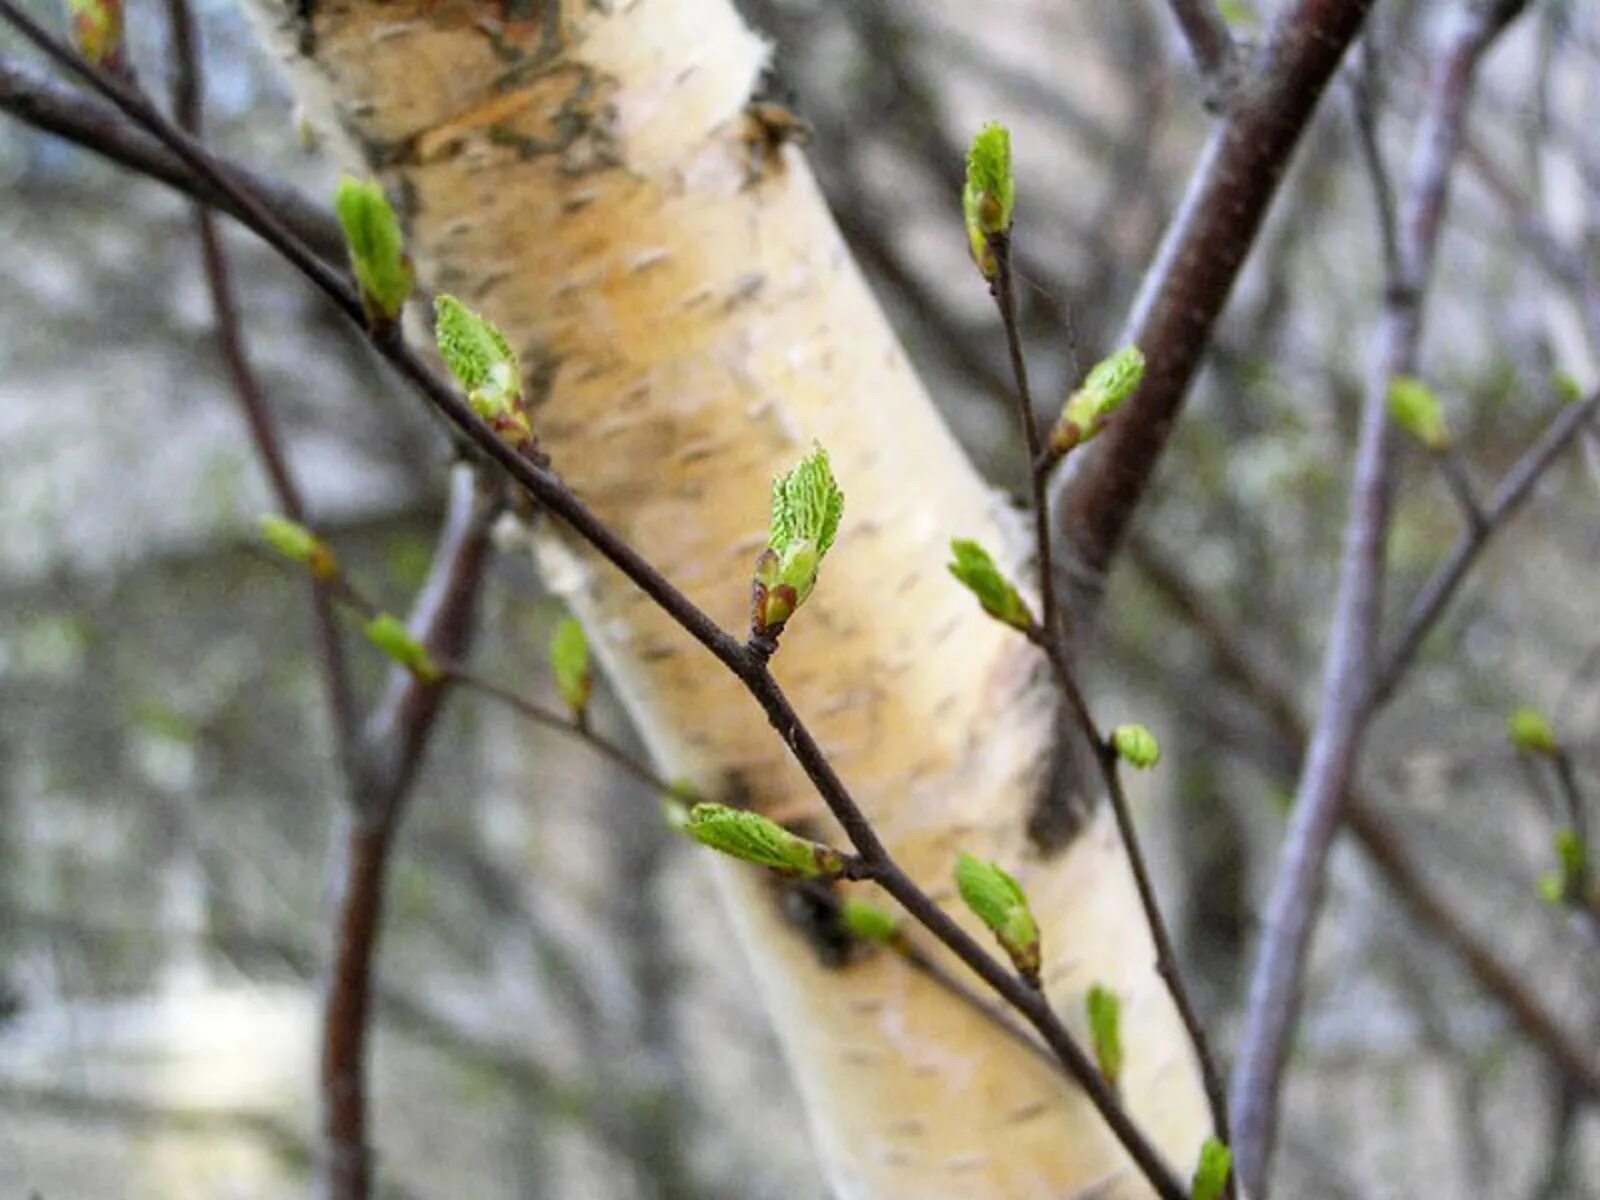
column 1531, row 732
column 753, row 838
column 298, row 544
column 1211, row 1175
column 1105, row 1031
column 988, row 199
column 390, row 635
column 868, row 922
column 998, row 901
column 480, row 358
column 1106, row 388
column 1137, row 746
column 806, row 507
column 376, row 246
column 974, row 568
column 1414, row 408
column 569, row 662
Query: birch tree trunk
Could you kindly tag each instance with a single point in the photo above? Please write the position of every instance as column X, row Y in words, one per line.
column 690, row 321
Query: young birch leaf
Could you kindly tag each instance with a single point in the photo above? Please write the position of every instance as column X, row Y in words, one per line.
column 390, row 635
column 806, row 507
column 569, row 662
column 1136, row 746
column 988, row 200
column 1415, row 409
column 868, row 922
column 998, row 901
column 97, row 31
column 377, row 248
column 298, row 544
column 1105, row 1031
column 1211, row 1174
column 975, row 570
column 483, row 362
column 1105, row 389
column 1565, row 884
column 753, row 838
column 1531, row 733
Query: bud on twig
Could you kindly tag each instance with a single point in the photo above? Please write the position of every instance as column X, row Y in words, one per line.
column 1136, row 746
column 298, row 544
column 569, row 662
column 806, row 507
column 1088, row 409
column 377, row 249
column 1105, row 1031
column 1531, row 733
column 998, row 901
column 868, row 922
column 975, row 570
column 97, row 33
column 989, row 198
column 1415, row 409
column 483, row 362
column 752, row 838
column 390, row 635
column 1566, row 884
column 1211, row 1175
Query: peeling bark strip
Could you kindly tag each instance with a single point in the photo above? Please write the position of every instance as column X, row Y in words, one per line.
column 1187, row 287
column 586, row 177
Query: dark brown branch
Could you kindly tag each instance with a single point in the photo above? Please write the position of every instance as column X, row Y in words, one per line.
column 1272, row 1010
column 1187, row 286
column 550, row 492
column 1211, row 44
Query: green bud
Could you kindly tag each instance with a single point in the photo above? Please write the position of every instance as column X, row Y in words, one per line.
column 390, row 635
column 975, row 570
column 1531, row 732
column 1568, row 389
column 1415, row 408
column 806, row 507
column 1088, row 409
column 1105, row 1031
column 97, row 31
column 1572, row 869
column 1136, row 746
column 868, row 922
column 481, row 359
column 752, row 838
column 989, row 197
column 569, row 662
column 377, row 248
column 1211, row 1175
column 298, row 544
column 998, row 901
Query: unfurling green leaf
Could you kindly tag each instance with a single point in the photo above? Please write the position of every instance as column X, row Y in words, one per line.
column 1136, row 746
column 1415, row 408
column 390, row 635
column 1211, row 1175
column 1531, row 732
column 806, row 507
column 988, row 200
column 753, row 838
column 481, row 359
column 298, row 544
column 569, row 662
column 972, row 565
column 1565, row 885
column 868, row 922
column 998, row 901
column 97, row 30
column 1105, row 1031
column 1088, row 409
column 377, row 248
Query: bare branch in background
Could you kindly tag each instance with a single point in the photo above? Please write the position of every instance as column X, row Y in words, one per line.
column 1212, row 46
column 1272, row 1010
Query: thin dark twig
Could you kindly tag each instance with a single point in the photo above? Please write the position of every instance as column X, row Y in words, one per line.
column 1459, row 480
column 1273, row 1007
column 550, row 492
column 1050, row 636
column 1211, row 44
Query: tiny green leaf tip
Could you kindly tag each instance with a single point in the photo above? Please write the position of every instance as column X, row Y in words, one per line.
column 377, row 247
column 988, row 199
column 1104, row 390
column 998, row 900
column 806, row 508
column 755, row 839
column 481, row 359
column 975, row 569
column 390, row 635
column 298, row 544
column 1415, row 409
column 1136, row 746
column 97, row 30
column 1104, row 1010
column 1211, row 1174
column 569, row 663
column 1531, row 732
column 866, row 921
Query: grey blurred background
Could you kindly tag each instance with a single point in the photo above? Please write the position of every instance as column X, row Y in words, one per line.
column 561, row 1015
